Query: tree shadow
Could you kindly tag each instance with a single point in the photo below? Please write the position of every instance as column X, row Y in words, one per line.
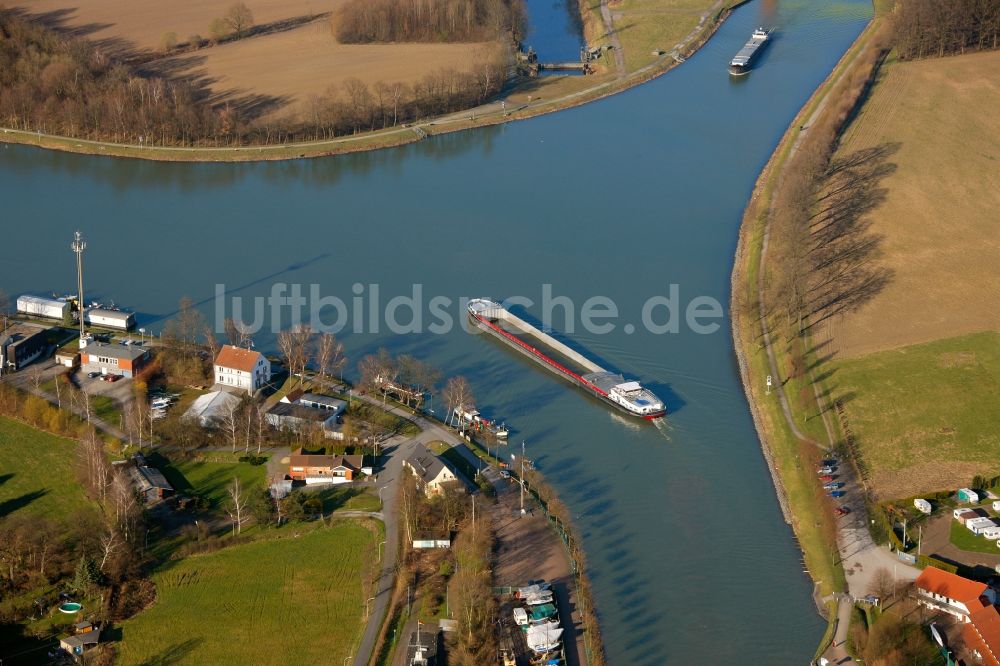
column 173, row 654
column 844, row 253
column 8, row 507
column 4, row 478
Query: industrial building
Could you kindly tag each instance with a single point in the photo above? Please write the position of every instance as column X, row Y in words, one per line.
column 110, row 358
column 50, row 308
column 116, row 319
column 20, row 344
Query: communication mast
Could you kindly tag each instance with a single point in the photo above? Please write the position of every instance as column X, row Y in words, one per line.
column 78, row 246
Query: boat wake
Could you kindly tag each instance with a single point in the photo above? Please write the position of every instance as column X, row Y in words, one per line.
column 663, row 425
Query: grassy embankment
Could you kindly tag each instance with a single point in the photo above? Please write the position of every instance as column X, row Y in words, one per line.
column 792, row 460
column 296, row 599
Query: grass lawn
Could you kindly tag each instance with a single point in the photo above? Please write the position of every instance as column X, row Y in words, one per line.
column 208, row 479
column 346, row 497
column 920, row 413
column 963, row 539
column 288, row 600
column 37, row 472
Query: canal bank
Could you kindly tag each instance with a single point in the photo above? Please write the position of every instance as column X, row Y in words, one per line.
column 791, row 454
column 652, row 181
column 492, row 113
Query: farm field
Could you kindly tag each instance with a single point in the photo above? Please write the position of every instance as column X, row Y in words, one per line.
column 37, row 472
column 293, row 65
column 287, row 600
column 919, row 413
column 938, row 218
column 127, row 23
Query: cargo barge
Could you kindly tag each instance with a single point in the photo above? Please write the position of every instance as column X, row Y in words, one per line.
column 743, row 60
column 628, row 396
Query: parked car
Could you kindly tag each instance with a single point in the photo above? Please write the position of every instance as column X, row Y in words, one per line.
column 843, row 510
column 504, row 474
column 93, row 375
column 833, row 486
column 114, row 378
column 825, row 470
column 829, row 462
column 837, row 493
column 826, row 477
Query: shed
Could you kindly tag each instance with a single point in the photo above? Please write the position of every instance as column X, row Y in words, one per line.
column 923, row 506
column 967, row 495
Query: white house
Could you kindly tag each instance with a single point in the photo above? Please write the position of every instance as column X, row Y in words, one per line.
column 952, row 594
column 244, row 369
column 432, row 473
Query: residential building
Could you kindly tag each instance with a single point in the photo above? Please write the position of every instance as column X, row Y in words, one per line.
column 85, row 636
column 952, row 594
column 20, row 344
column 150, row 483
column 297, row 418
column 432, row 473
column 311, row 468
column 110, row 358
column 982, row 635
column 210, row 409
column 245, row 369
column 314, row 401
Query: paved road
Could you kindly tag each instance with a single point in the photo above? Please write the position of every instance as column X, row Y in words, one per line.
column 387, row 485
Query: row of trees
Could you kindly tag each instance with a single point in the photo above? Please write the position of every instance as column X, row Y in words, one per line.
column 826, row 260
column 366, row 21
column 64, row 85
column 926, row 28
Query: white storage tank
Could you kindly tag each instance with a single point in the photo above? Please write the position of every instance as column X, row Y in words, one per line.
column 43, row 307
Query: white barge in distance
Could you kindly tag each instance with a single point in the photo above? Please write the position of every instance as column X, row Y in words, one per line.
column 628, row 396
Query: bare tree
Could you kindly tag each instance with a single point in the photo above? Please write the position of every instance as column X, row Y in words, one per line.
column 239, row 18
column 93, row 467
column 231, row 421
column 110, row 542
column 296, row 347
column 236, row 506
column 329, row 356
column 458, row 396
column 236, row 332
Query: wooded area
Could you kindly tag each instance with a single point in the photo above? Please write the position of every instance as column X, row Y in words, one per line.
column 57, row 84
column 931, row 28
column 368, row 21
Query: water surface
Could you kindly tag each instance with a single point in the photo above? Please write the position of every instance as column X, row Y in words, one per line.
column 690, row 559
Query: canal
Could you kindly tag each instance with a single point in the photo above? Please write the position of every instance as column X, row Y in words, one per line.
column 690, row 558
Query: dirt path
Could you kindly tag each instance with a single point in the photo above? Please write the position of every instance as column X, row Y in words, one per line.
column 612, row 34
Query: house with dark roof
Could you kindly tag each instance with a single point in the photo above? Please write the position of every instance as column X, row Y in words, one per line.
column 20, row 344
column 150, row 483
column 432, row 473
column 85, row 636
column 312, row 468
column 245, row 369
